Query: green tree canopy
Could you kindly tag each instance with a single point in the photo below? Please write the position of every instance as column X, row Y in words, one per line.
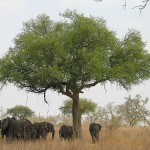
column 20, row 112
column 71, row 55
column 85, row 105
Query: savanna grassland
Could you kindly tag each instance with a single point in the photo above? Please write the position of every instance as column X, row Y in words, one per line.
column 135, row 138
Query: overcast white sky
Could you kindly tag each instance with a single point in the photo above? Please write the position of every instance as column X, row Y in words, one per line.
column 14, row 12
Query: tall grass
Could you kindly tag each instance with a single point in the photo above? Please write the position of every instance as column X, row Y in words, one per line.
column 124, row 139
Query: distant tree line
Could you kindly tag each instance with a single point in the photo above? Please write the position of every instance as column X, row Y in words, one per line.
column 133, row 112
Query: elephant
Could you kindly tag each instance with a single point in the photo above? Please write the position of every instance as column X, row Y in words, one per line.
column 42, row 129
column 66, row 132
column 0, row 124
column 4, row 128
column 94, row 129
column 16, row 129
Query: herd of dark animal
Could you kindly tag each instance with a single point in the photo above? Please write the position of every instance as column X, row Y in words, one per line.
column 23, row 129
column 14, row 129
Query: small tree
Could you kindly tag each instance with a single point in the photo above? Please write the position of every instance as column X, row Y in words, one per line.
column 109, row 117
column 134, row 110
column 86, row 106
column 20, row 112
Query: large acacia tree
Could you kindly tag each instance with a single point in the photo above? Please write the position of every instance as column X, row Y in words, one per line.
column 71, row 55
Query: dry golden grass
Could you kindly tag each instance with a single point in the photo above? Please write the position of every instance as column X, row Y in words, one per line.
column 124, row 139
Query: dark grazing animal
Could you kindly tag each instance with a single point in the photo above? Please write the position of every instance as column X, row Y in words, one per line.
column 66, row 132
column 15, row 129
column 41, row 130
column 23, row 129
column 94, row 129
column 0, row 124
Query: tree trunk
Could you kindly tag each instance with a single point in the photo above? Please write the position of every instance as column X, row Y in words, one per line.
column 76, row 116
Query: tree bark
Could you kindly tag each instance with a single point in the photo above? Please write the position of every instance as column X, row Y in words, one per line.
column 76, row 116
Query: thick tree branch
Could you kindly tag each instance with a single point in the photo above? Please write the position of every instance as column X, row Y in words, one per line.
column 66, row 91
column 88, row 85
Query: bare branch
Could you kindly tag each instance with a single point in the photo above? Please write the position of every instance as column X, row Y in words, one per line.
column 142, row 6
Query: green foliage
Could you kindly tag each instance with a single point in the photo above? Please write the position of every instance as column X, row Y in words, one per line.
column 20, row 112
column 72, row 55
column 86, row 106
